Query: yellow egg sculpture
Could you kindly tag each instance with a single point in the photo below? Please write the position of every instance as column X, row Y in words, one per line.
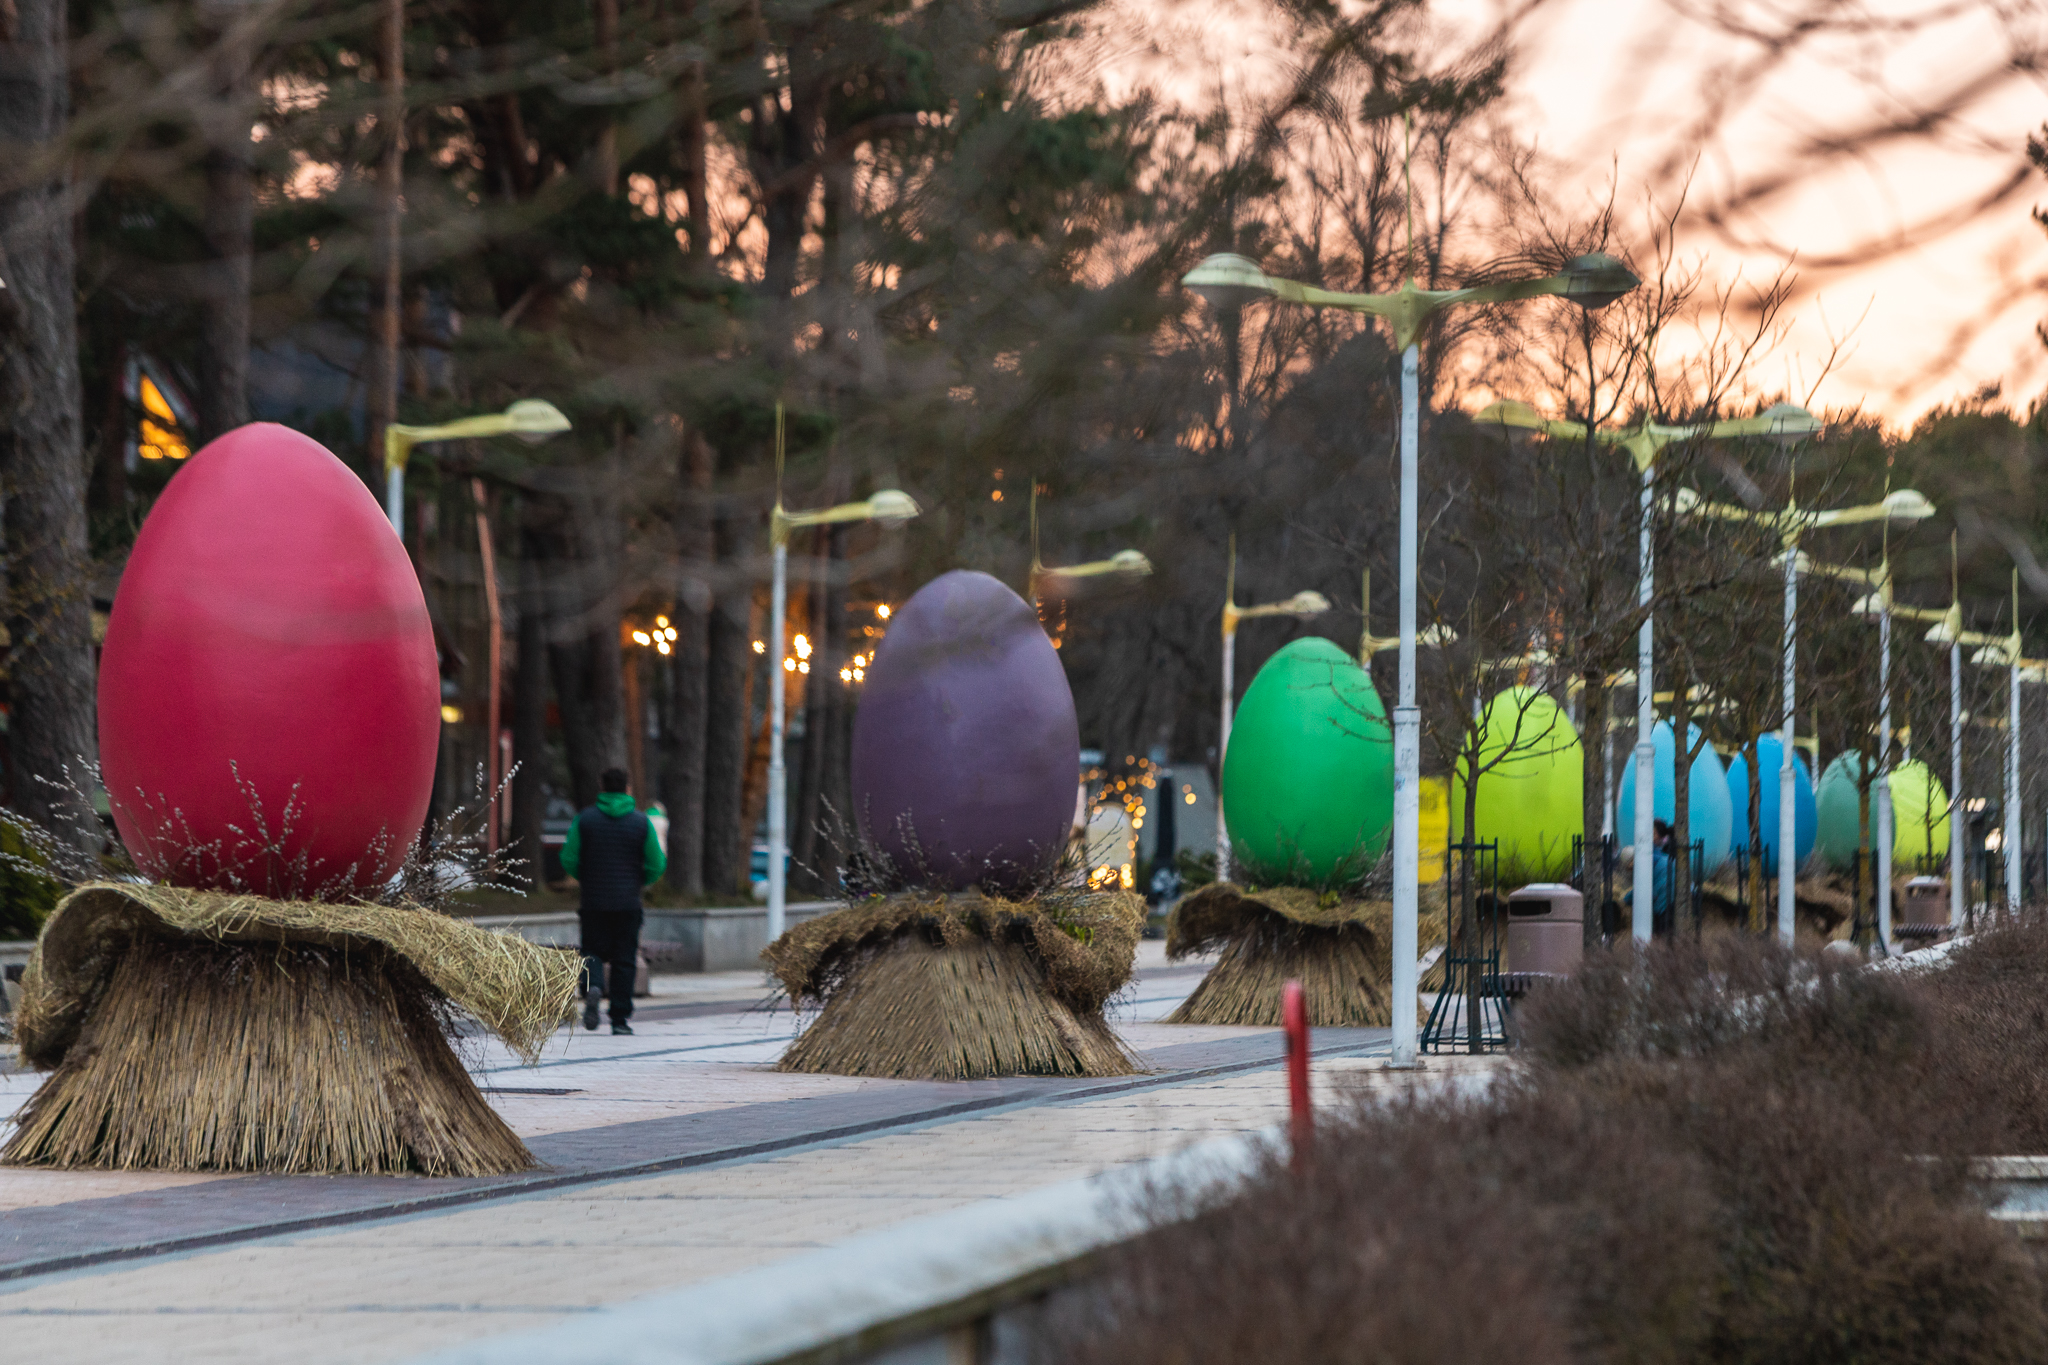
column 1531, row 786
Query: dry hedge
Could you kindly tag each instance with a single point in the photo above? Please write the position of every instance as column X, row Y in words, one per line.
column 1718, row 1153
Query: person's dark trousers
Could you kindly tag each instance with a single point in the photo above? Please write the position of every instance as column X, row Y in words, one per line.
column 611, row 943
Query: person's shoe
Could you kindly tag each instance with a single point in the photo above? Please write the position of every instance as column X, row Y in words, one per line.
column 591, row 1000
column 622, row 1028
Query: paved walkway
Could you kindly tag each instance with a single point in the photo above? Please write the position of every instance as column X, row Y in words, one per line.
column 674, row 1156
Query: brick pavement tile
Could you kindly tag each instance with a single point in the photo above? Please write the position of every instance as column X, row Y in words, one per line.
column 154, row 1337
column 396, row 1288
column 22, row 1188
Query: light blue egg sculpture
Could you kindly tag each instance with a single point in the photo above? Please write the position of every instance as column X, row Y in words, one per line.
column 1709, row 816
column 1770, row 755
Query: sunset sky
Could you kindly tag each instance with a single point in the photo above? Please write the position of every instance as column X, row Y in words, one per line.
column 1936, row 291
column 1930, row 315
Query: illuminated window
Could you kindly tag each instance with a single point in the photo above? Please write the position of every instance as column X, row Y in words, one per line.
column 159, row 437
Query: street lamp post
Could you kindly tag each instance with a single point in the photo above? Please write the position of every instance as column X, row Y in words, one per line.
column 1948, row 630
column 1300, row 606
column 1228, row 280
column 2003, row 651
column 1880, row 604
column 1644, row 442
column 1790, row 524
column 530, row 419
column 889, row 507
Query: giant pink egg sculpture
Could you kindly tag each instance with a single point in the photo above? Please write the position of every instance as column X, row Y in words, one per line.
column 269, row 703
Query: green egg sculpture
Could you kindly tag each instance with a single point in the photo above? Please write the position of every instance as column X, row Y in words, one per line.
column 1531, row 787
column 1308, row 779
column 1919, row 814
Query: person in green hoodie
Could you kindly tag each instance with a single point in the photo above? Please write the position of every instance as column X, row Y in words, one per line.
column 612, row 851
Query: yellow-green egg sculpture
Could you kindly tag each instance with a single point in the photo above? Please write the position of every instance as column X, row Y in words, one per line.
column 1919, row 814
column 1531, row 786
column 1308, row 779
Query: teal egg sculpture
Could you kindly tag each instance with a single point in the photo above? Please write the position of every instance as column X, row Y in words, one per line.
column 1919, row 815
column 1531, row 790
column 1770, row 757
column 1308, row 777
column 1710, row 815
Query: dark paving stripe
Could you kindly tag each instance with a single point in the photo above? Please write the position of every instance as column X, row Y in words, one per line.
column 92, row 1232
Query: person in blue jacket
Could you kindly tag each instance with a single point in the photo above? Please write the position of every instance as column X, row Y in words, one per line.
column 1661, row 870
column 612, row 851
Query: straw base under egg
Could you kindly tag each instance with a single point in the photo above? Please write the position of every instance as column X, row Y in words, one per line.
column 1339, row 952
column 281, row 1058
column 961, row 987
column 202, row 1031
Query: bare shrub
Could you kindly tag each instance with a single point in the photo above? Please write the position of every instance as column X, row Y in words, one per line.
column 1713, row 1153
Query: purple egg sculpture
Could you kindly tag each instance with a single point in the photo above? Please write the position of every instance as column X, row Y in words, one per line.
column 966, row 752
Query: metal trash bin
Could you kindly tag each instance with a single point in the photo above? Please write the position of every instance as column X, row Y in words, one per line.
column 1922, row 909
column 1546, row 930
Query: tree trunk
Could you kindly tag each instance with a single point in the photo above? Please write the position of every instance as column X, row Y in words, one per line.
column 1468, row 910
column 826, row 739
column 1753, row 820
column 608, row 693
column 730, row 655
column 607, row 17
column 1593, row 803
column 43, row 462
column 1682, row 755
column 683, row 750
column 382, row 384
column 530, row 725
column 692, row 147
column 230, row 224
column 569, row 663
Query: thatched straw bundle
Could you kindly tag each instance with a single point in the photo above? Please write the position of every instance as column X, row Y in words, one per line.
column 961, row 987
column 1339, row 950
column 202, row 1031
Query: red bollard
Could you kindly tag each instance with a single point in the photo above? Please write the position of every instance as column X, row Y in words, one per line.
column 1302, row 1118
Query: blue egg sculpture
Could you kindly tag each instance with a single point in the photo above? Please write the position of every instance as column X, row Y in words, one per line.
column 1710, row 817
column 1770, row 756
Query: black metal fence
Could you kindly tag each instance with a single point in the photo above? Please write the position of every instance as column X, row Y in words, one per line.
column 1470, row 1013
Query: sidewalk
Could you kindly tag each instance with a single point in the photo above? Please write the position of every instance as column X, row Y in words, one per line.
column 676, row 1156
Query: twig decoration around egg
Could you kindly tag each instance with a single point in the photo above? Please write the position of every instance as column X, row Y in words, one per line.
column 1308, row 797
column 269, row 714
column 978, row 953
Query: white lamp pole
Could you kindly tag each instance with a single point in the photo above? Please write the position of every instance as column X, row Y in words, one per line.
column 1956, row 877
column 1780, row 422
column 1880, row 604
column 1230, row 280
column 1300, row 606
column 1882, row 788
column 889, row 507
column 1902, row 505
column 1788, row 854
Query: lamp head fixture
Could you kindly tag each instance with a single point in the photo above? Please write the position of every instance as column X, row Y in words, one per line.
column 533, row 420
column 1787, row 423
column 1905, row 504
column 1596, row 279
column 1228, row 280
column 892, row 507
